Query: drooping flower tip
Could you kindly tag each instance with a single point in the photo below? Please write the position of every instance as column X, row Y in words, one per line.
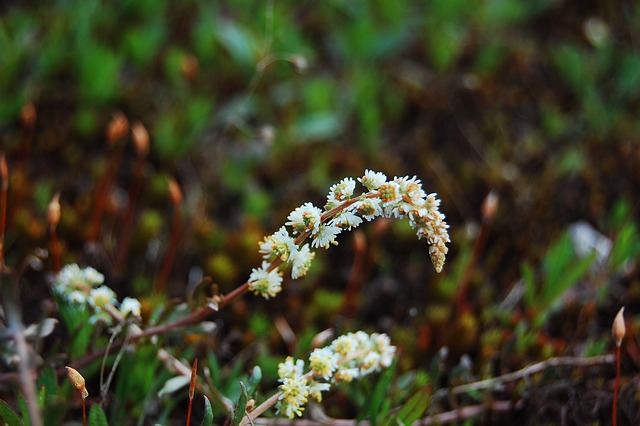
column 618, row 330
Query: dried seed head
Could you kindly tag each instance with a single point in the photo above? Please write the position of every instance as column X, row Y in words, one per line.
column 28, row 115
column 140, row 139
column 77, row 381
column 619, row 329
column 54, row 211
column 118, row 128
column 175, row 194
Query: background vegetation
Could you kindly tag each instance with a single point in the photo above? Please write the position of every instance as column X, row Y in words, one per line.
column 255, row 107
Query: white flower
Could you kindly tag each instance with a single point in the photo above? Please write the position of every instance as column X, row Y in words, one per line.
column 101, row 297
column 390, row 195
column 346, row 220
column 345, row 374
column 279, row 244
column 305, row 218
column 290, row 368
column 343, row 345
column 77, row 297
column 325, row 236
column 302, row 262
column 295, row 392
column 323, row 362
column 341, row 191
column 264, row 282
column 92, row 276
column 372, row 180
column 131, row 306
column 316, row 387
column 370, row 363
column 368, row 208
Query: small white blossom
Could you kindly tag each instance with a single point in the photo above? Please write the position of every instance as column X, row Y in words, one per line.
column 323, row 362
column 101, row 297
column 279, row 244
column 368, row 208
column 131, row 306
column 325, row 236
column 346, row 220
column 92, row 276
column 295, row 392
column 341, row 191
column 372, row 180
column 290, row 368
column 305, row 218
column 77, row 297
column 315, row 389
column 370, row 363
column 265, row 283
column 302, row 262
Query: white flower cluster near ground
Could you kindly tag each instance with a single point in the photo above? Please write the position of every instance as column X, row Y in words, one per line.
column 84, row 287
column 399, row 198
column 347, row 358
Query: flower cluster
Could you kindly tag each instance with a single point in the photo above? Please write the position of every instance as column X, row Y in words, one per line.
column 83, row 287
column 348, row 357
column 401, row 197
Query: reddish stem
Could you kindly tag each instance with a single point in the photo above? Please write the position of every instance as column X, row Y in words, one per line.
column 55, row 249
column 615, row 389
column 102, row 194
column 192, row 388
column 167, row 263
column 84, row 412
column 134, row 192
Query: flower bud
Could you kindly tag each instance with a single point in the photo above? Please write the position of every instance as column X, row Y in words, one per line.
column 77, row 381
column 140, row 139
column 490, row 205
column 118, row 128
column 53, row 211
column 618, row 330
column 189, row 66
column 175, row 194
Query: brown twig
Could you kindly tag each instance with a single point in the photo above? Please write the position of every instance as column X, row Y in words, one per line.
column 526, row 372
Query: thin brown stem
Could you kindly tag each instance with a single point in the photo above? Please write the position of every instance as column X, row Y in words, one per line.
column 614, row 413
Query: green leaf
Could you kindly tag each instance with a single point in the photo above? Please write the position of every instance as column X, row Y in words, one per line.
column 8, row 415
column 379, row 403
column 415, row 407
column 208, row 413
column 254, row 380
column 97, row 417
column 241, row 407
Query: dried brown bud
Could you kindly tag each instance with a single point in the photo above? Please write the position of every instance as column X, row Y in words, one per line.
column 175, row 194
column 77, row 381
column 54, row 211
column 618, row 330
column 118, row 128
column 4, row 172
column 28, row 115
column 490, row 205
column 140, row 139
column 189, row 66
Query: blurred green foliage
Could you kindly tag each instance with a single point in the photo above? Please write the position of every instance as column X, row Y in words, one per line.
column 259, row 106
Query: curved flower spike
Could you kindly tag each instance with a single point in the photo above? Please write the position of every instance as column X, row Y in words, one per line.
column 399, row 198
